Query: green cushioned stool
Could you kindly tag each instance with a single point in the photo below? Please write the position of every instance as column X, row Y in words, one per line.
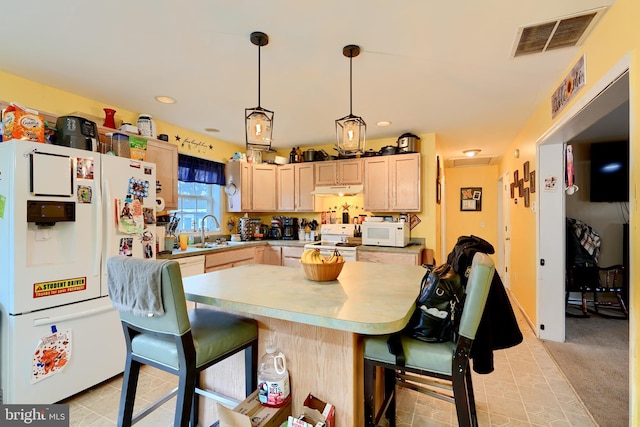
column 437, row 369
column 183, row 343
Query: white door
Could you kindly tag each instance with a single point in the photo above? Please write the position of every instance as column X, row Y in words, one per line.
column 129, row 202
column 94, row 352
column 50, row 225
column 504, row 224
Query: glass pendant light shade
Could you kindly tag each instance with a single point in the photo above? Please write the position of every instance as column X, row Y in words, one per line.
column 258, row 128
column 258, row 120
column 351, row 130
column 351, row 134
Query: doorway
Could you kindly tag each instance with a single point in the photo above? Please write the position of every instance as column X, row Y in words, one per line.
column 593, row 110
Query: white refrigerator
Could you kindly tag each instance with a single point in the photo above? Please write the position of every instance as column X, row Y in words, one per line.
column 63, row 211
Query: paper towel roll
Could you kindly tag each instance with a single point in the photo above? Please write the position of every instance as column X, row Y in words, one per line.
column 159, row 204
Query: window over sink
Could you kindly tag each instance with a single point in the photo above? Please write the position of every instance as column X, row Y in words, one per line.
column 195, row 200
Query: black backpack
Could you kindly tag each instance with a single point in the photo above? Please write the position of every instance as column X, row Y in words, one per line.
column 438, row 306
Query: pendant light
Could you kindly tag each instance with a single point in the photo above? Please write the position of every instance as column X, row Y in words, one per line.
column 258, row 121
column 351, row 130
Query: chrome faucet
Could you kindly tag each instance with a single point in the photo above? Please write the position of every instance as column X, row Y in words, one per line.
column 202, row 237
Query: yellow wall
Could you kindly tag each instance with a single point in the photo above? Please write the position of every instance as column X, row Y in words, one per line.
column 615, row 36
column 483, row 223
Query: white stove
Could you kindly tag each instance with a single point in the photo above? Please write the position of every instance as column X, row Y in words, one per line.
column 335, row 237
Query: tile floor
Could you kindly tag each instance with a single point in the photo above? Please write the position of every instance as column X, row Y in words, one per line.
column 526, row 389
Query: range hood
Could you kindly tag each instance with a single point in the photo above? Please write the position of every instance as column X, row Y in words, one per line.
column 337, row 190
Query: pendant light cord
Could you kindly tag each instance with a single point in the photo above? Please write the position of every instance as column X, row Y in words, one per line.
column 259, row 75
column 351, row 84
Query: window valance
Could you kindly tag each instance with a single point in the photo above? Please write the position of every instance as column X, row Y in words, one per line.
column 195, row 169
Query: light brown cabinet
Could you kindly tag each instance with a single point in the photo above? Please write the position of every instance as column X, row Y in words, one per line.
column 228, row 259
column 291, row 256
column 338, row 172
column 392, row 183
column 165, row 156
column 250, row 187
column 272, row 255
column 295, row 183
column 389, row 257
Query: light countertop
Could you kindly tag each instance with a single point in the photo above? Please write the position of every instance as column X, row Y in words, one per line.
column 367, row 298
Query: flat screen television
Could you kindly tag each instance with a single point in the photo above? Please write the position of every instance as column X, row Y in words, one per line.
column 610, row 171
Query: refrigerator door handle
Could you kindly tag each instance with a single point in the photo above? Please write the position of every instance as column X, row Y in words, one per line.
column 57, row 319
column 97, row 253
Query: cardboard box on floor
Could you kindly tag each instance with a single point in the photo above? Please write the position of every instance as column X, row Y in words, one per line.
column 250, row 413
column 315, row 413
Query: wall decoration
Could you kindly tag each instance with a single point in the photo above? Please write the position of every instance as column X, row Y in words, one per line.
column 515, row 176
column 527, row 200
column 471, row 199
column 520, row 187
column 525, row 168
column 532, row 181
column 192, row 144
column 574, row 81
column 512, row 187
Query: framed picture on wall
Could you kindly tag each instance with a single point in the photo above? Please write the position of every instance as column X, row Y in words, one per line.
column 527, row 200
column 515, row 176
column 525, row 171
column 512, row 187
column 521, row 187
column 532, row 181
column 471, row 198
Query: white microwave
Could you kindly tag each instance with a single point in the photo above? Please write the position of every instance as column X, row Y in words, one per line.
column 385, row 233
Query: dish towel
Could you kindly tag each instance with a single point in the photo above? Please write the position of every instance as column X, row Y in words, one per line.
column 135, row 285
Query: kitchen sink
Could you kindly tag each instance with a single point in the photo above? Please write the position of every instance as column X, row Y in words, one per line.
column 208, row 245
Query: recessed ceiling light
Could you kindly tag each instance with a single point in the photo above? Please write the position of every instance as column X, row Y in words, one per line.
column 165, row 99
column 212, row 130
column 471, row 153
column 383, row 123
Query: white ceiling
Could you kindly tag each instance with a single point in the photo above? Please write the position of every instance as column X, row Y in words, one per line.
column 426, row 65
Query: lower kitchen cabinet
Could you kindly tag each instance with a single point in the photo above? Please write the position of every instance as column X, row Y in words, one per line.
column 228, row 259
column 291, row 255
column 272, row 255
column 390, row 257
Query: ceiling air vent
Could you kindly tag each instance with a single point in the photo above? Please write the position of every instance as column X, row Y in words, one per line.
column 563, row 32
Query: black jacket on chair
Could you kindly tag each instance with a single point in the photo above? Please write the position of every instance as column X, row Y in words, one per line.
column 498, row 327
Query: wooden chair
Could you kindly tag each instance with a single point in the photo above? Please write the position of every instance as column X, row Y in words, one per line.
column 436, row 369
column 600, row 283
column 183, row 343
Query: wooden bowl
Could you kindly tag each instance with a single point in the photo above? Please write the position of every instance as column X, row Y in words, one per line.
column 322, row 272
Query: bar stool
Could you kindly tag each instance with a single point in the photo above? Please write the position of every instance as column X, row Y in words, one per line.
column 181, row 342
column 437, row 369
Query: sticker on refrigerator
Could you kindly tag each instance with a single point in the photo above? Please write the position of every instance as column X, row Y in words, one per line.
column 84, row 193
column 125, row 246
column 131, row 219
column 57, row 287
column 84, row 168
column 51, row 355
column 3, row 202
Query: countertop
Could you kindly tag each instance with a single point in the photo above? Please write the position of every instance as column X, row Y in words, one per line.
column 367, row 298
column 414, row 247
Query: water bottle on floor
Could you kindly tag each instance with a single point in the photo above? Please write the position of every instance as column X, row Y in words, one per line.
column 273, row 378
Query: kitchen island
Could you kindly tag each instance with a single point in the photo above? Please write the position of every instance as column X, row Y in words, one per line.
column 317, row 325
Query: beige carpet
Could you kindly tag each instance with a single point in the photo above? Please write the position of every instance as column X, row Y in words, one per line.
column 595, row 360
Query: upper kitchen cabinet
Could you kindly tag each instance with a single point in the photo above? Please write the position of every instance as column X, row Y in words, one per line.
column 250, row 187
column 339, row 172
column 165, row 156
column 295, row 183
column 263, row 193
column 392, row 183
